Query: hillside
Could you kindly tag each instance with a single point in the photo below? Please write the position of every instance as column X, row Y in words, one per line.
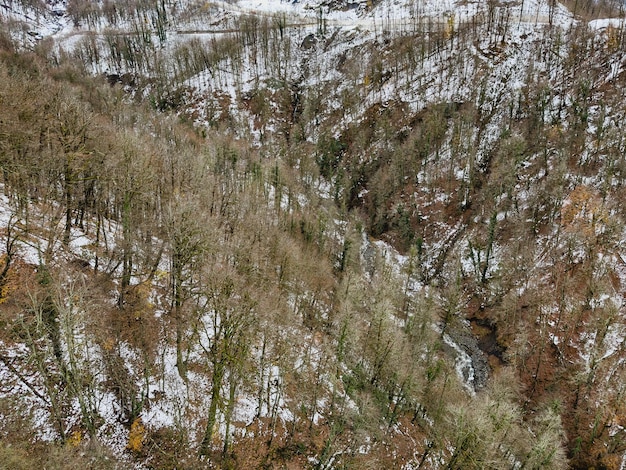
column 312, row 234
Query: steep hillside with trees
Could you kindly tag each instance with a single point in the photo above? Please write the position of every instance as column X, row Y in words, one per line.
column 312, row 235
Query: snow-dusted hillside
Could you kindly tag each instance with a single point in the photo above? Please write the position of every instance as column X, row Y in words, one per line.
column 319, row 234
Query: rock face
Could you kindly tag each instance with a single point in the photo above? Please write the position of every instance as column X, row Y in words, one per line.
column 308, row 42
column 471, row 362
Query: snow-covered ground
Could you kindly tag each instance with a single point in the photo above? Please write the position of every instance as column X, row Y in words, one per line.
column 354, row 33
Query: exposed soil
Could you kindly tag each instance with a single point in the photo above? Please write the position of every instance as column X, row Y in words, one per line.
column 487, row 337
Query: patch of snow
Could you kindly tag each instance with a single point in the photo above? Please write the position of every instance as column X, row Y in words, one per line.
column 463, row 365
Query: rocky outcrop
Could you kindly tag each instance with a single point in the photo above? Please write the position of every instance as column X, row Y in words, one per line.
column 471, row 362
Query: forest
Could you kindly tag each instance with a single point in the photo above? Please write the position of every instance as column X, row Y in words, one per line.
column 259, row 234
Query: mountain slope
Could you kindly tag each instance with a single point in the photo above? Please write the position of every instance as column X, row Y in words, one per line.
column 257, row 234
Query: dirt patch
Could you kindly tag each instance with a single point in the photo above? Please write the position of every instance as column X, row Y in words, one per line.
column 487, row 337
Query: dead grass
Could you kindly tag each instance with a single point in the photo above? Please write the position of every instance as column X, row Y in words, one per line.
column 594, row 9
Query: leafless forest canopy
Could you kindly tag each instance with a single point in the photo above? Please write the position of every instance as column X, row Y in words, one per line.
column 350, row 236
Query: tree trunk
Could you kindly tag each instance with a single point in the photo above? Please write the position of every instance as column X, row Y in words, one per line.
column 218, row 376
column 229, row 413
